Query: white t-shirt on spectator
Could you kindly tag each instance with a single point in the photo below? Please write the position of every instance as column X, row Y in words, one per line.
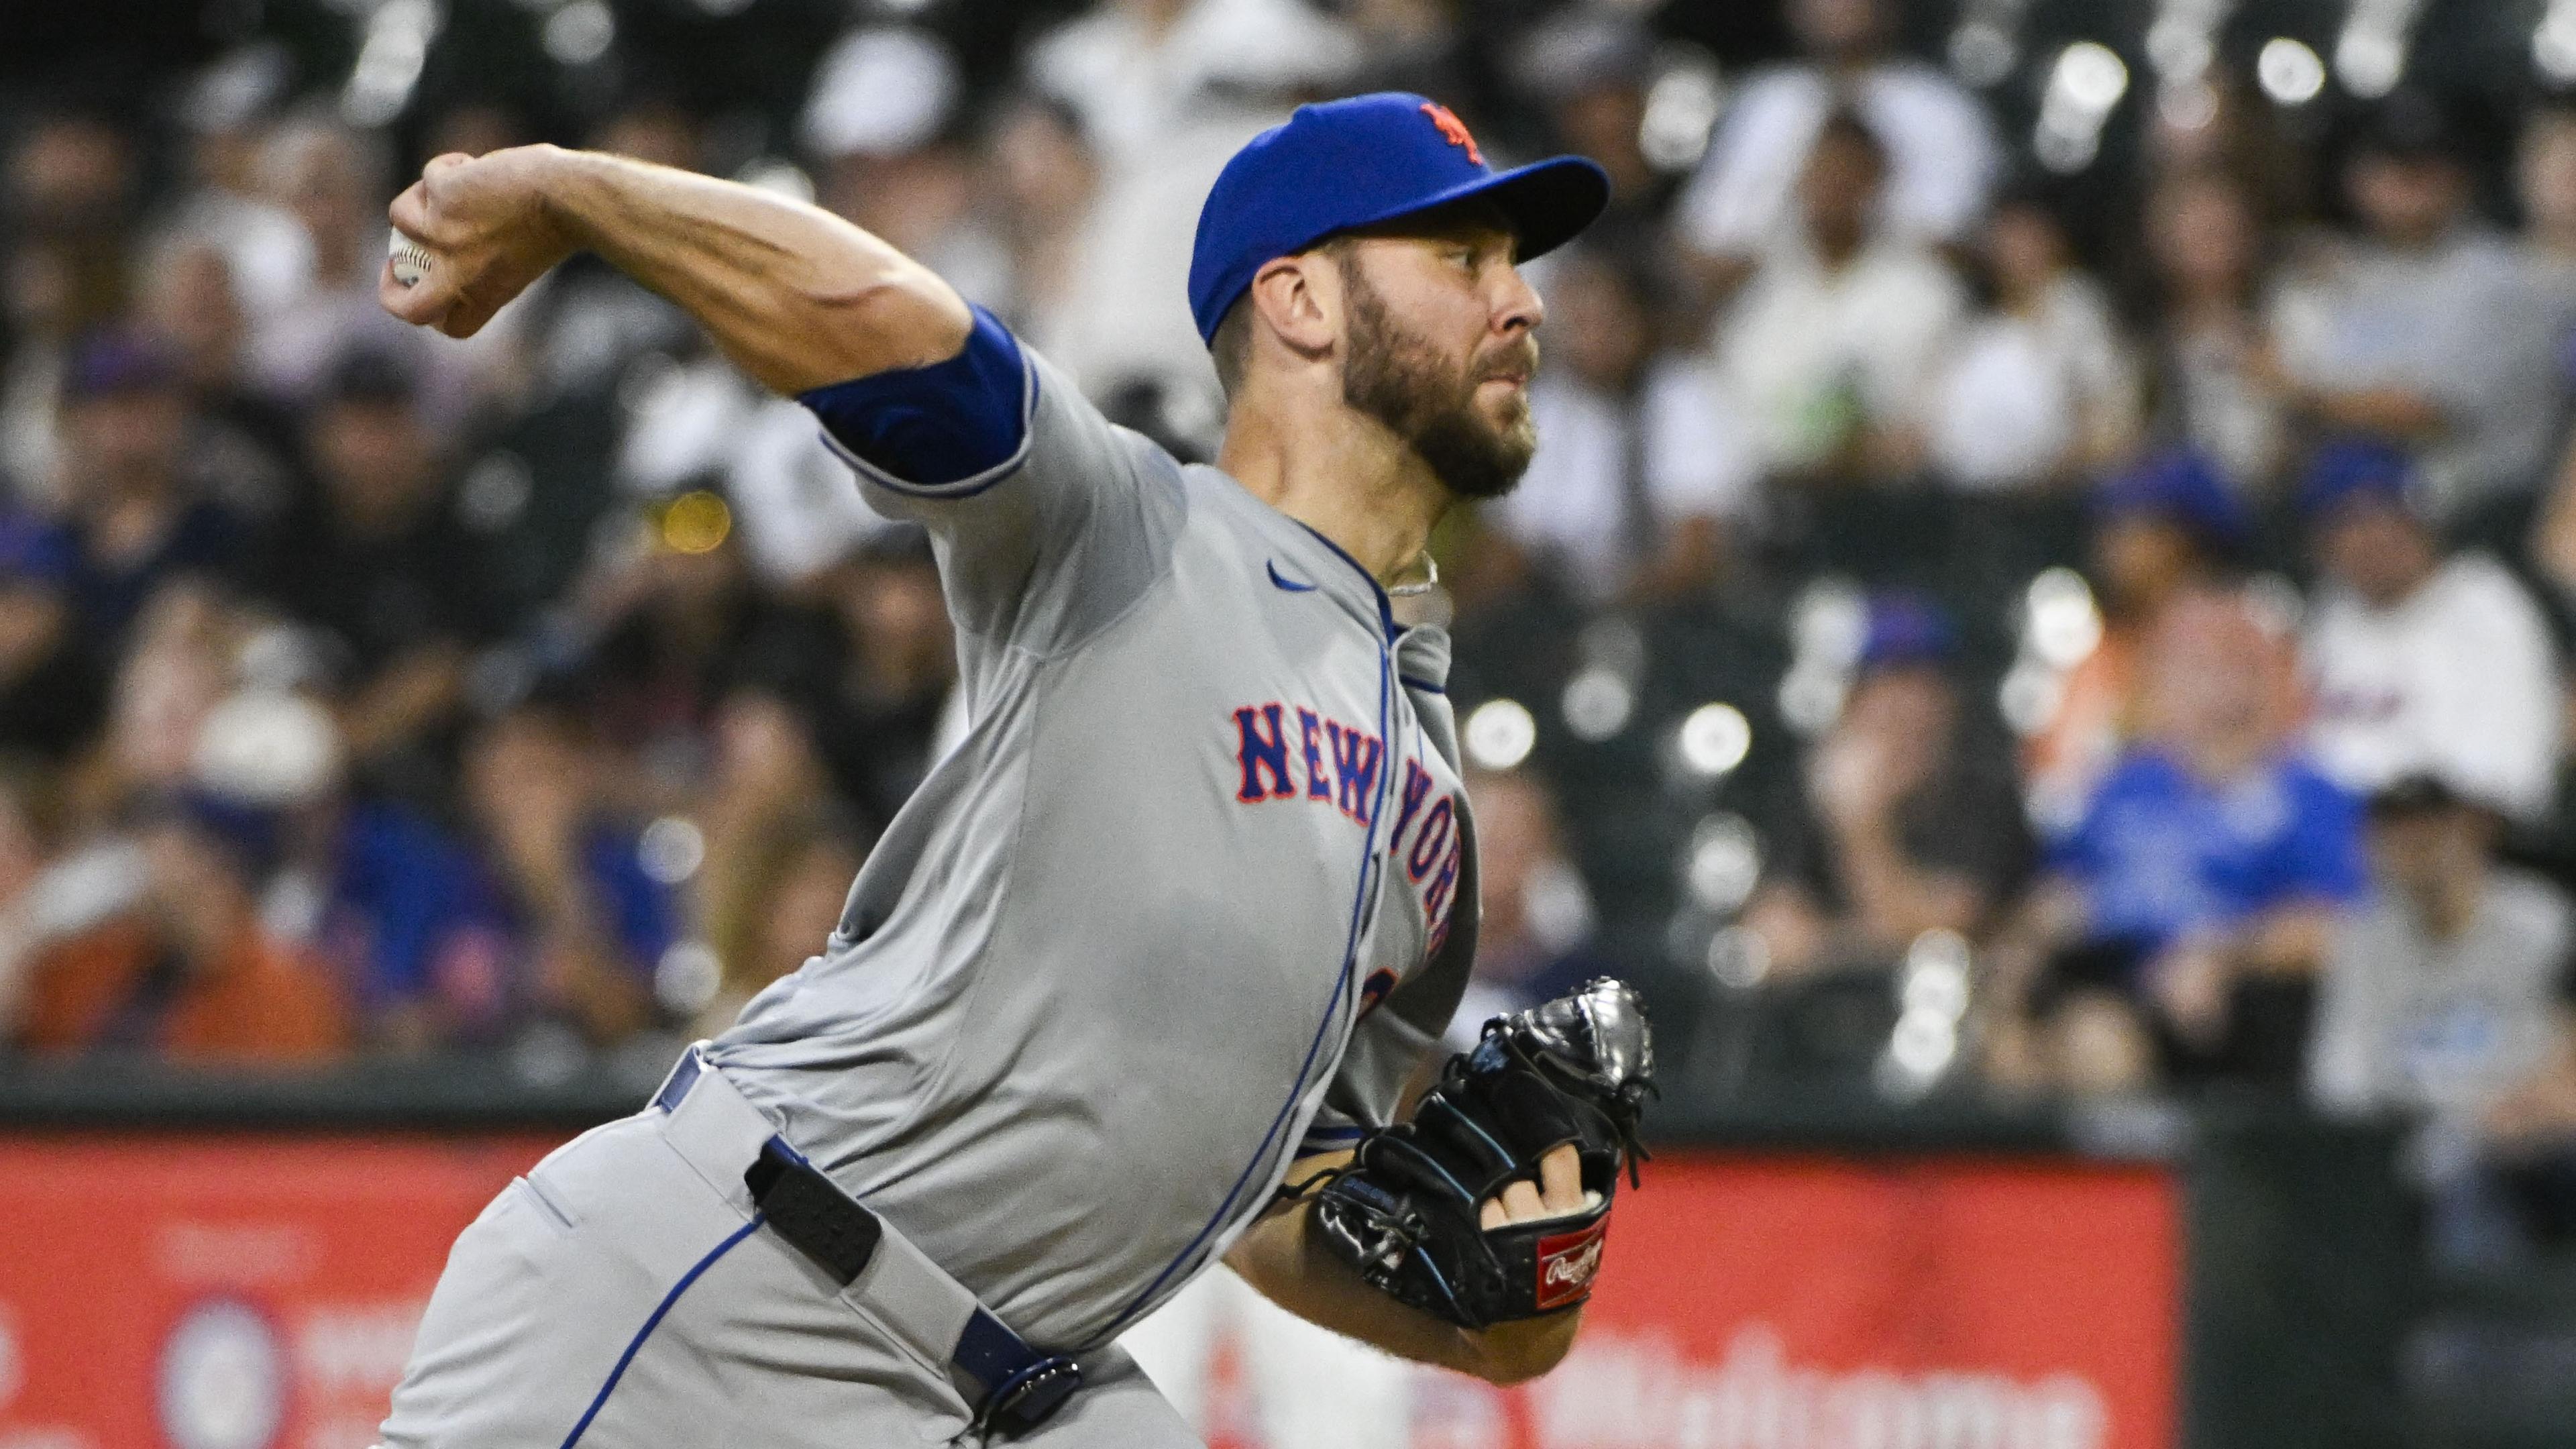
column 2463, row 322
column 2217, row 399
column 1164, row 107
column 1941, row 154
column 1693, row 458
column 1801, row 343
column 2013, row 398
column 2443, row 1027
column 1135, row 83
column 1124, row 317
column 2458, row 681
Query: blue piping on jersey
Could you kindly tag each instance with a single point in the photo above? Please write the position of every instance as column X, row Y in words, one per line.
column 1341, row 981
column 659, row 1311
column 1385, row 606
column 1425, row 685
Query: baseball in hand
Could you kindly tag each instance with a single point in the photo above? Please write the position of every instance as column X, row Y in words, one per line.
column 411, row 260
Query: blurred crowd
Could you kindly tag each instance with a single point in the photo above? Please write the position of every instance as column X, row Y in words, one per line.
column 2032, row 582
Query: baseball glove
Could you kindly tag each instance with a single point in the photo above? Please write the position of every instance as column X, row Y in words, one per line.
column 1404, row 1212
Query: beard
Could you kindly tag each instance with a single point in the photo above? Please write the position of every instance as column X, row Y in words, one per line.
column 1400, row 379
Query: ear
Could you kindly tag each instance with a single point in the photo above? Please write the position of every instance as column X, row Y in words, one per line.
column 1300, row 299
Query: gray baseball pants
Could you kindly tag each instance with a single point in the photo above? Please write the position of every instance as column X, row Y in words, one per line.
column 621, row 1296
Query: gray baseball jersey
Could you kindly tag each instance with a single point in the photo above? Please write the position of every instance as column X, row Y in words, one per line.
column 1195, row 895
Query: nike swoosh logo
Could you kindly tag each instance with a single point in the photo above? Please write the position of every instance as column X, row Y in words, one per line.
column 1289, row 584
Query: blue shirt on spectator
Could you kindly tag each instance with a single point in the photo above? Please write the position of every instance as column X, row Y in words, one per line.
column 414, row 916
column 412, row 919
column 642, row 912
column 2161, row 851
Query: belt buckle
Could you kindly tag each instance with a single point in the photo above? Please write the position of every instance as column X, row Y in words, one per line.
column 1028, row 1398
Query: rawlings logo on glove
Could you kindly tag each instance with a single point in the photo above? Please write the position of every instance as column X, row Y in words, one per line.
column 1575, row 1071
column 1567, row 1264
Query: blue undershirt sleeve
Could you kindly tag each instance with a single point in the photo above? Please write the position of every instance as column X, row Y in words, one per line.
column 948, row 429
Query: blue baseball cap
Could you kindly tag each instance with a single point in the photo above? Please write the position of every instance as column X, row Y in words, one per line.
column 2347, row 470
column 1337, row 166
column 1907, row 628
column 2181, row 486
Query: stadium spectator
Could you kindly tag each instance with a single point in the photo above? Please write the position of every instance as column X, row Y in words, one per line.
column 2180, row 921
column 882, row 117
column 2218, row 382
column 23, row 904
column 1139, row 71
column 585, row 323
column 2039, row 387
column 63, row 201
column 1641, row 470
column 221, row 204
column 2425, row 330
column 1829, row 348
column 178, row 665
column 136, row 514
column 71, row 181
column 393, row 903
column 1056, row 181
column 2166, row 525
column 2544, row 175
column 52, row 689
column 245, row 445
column 589, row 919
column 781, row 850
column 1167, row 90
column 407, row 918
column 1421, row 46
column 1534, row 941
column 677, row 628
column 334, row 179
column 377, row 561
column 190, row 971
column 1046, row 176
column 2421, row 661
column 783, row 911
column 36, row 308
column 1906, row 819
column 1942, row 157
column 2447, row 996
column 1590, row 69
column 891, row 707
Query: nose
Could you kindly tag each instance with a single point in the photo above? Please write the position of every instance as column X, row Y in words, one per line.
column 1517, row 308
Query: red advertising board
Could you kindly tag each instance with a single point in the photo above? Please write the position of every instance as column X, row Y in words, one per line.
column 260, row 1293
column 1794, row 1303
column 1834, row 1305
column 222, row 1293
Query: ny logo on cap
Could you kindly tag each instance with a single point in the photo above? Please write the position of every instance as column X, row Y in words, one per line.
column 1453, row 128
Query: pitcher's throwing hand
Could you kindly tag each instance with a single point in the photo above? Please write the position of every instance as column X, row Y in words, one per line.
column 483, row 222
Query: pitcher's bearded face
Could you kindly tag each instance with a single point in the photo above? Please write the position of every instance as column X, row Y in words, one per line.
column 1468, row 420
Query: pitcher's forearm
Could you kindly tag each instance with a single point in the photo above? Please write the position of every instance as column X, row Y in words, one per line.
column 795, row 296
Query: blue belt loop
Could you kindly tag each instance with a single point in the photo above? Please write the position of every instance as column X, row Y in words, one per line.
column 684, row 1075
column 1021, row 1387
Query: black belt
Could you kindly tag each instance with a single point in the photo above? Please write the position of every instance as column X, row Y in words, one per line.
column 1021, row 1387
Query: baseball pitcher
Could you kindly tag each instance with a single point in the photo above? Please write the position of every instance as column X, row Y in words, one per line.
column 1138, row 977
